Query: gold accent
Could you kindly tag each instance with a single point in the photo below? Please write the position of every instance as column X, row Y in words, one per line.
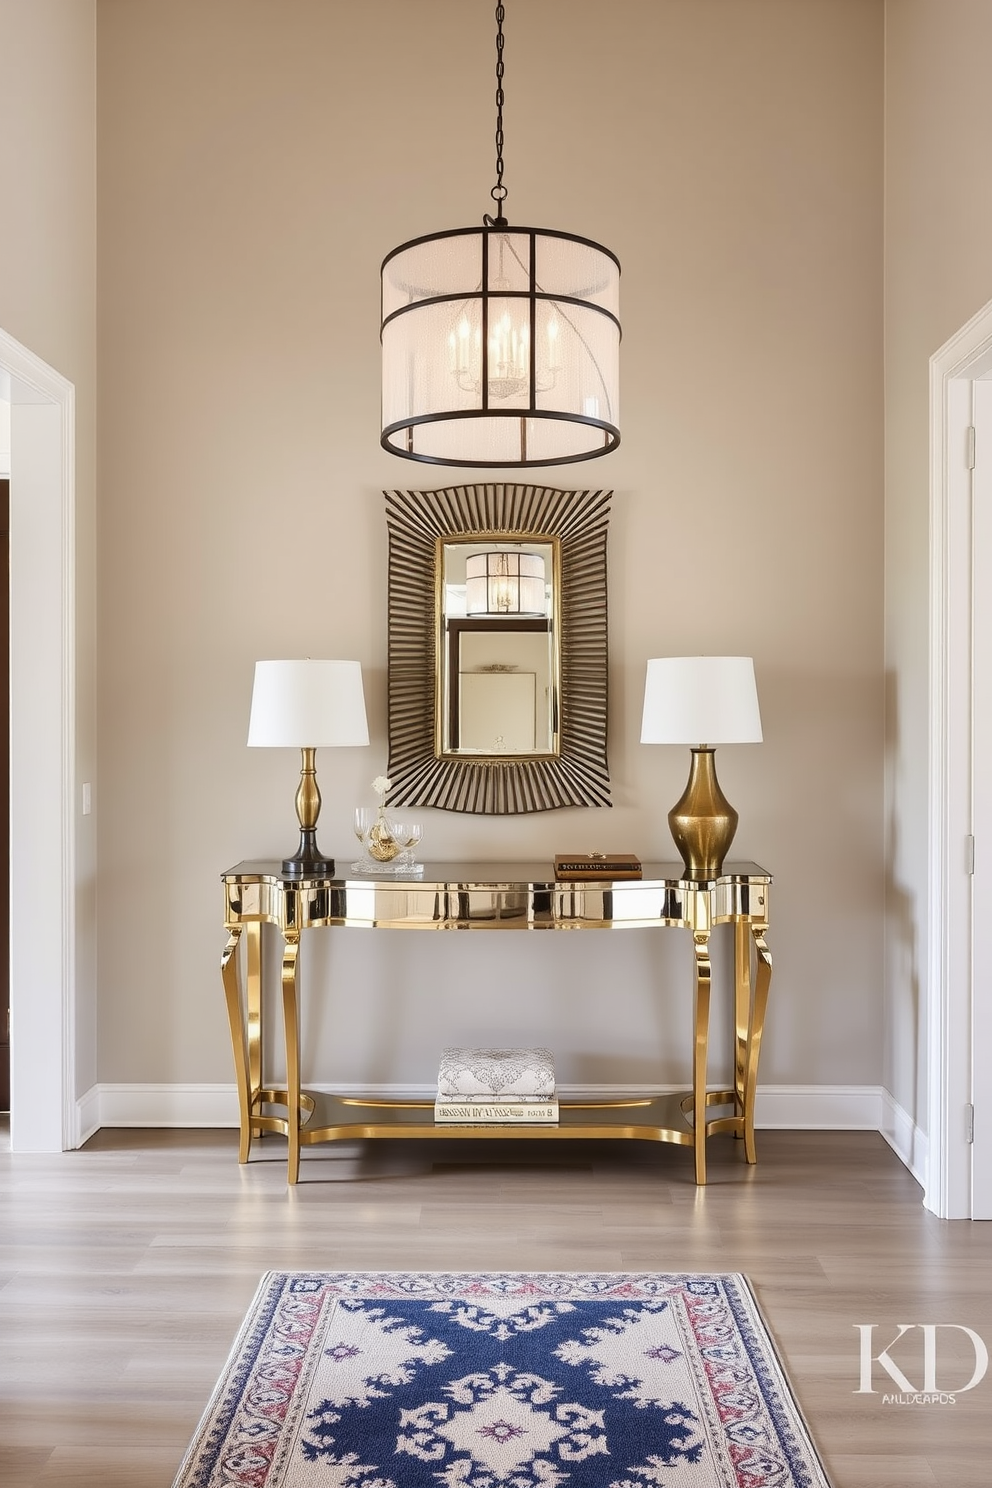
column 382, row 845
column 307, row 859
column 239, row 1041
column 291, row 1024
column 308, row 792
column 416, row 1103
column 701, row 947
column 703, row 822
column 517, row 897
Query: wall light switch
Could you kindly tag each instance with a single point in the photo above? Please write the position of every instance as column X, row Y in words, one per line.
column 87, row 799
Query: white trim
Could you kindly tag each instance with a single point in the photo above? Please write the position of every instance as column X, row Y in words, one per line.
column 961, row 359
column 42, row 735
column 87, row 1116
column 158, row 1106
column 905, row 1138
column 818, row 1107
column 979, row 1116
column 778, row 1107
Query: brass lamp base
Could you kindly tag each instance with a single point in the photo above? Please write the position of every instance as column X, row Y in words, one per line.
column 703, row 822
column 308, row 861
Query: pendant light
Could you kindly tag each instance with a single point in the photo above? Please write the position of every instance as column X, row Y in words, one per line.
column 498, row 582
column 500, row 344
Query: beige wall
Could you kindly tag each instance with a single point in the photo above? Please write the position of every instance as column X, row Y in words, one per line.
column 256, row 162
column 938, row 228
column 48, row 303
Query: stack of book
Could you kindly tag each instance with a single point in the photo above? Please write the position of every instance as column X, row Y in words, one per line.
column 583, row 866
column 496, row 1086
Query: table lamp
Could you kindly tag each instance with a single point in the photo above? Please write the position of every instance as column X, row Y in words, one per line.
column 701, row 701
column 307, row 705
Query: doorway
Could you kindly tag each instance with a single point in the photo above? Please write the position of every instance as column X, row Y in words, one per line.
column 4, row 794
column 43, row 881
column 959, row 1020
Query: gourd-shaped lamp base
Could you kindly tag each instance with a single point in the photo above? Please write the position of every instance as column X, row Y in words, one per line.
column 703, row 822
column 308, row 861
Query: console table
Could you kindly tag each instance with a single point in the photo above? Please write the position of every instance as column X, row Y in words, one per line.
column 494, row 896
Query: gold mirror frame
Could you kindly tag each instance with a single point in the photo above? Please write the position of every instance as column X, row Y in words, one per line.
column 417, row 523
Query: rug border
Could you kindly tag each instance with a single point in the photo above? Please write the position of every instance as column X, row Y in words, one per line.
column 754, row 1318
column 777, row 1354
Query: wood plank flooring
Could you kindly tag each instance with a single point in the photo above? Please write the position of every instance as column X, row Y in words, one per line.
column 126, row 1268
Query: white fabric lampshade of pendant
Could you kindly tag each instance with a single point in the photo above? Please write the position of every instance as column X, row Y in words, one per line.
column 500, row 347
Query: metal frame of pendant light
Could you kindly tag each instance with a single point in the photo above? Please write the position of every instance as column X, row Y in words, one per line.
column 434, row 286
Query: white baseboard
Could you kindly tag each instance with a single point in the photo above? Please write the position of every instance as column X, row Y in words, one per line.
column 905, row 1138
column 778, row 1107
column 87, row 1116
column 158, row 1105
column 818, row 1107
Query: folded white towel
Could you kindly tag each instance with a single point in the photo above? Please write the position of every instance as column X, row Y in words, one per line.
column 496, row 1072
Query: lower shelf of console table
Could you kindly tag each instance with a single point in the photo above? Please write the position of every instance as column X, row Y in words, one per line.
column 463, row 897
column 655, row 1118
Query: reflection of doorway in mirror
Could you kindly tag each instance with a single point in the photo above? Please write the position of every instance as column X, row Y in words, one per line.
column 503, row 682
column 497, row 713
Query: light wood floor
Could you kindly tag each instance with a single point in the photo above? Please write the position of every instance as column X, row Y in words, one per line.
column 126, row 1268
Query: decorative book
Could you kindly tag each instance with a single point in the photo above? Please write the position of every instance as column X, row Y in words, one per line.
column 523, row 1112
column 597, row 865
column 495, row 1074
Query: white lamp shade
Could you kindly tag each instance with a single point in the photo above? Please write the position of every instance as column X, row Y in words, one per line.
column 700, row 700
column 307, row 705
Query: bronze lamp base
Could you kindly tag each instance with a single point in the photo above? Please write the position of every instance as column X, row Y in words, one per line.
column 308, row 861
column 703, row 822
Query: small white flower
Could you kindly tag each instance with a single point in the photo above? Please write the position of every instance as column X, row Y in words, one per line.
column 381, row 785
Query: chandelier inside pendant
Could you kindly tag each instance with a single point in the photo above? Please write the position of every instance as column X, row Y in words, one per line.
column 508, row 344
column 509, row 358
column 500, row 344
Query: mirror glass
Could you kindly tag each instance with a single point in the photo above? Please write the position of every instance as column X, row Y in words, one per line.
column 498, row 677
column 497, row 648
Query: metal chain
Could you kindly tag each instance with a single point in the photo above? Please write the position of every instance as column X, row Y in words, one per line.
column 498, row 192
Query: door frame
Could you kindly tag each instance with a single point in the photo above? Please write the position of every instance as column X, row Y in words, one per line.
column 953, row 369
column 43, row 952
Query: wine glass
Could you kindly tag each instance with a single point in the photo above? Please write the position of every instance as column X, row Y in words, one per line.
column 364, row 817
column 407, row 834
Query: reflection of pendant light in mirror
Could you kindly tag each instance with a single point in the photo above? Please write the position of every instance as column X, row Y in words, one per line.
column 500, row 345
column 498, row 583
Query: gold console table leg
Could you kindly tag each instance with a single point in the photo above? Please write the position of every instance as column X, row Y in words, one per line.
column 253, row 1012
column 242, row 1064
column 291, row 1021
column 742, row 1014
column 701, row 946
column 762, row 982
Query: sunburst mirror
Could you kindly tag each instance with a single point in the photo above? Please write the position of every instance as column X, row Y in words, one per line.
column 498, row 648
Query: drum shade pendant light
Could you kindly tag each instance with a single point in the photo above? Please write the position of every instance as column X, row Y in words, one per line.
column 499, row 583
column 500, row 344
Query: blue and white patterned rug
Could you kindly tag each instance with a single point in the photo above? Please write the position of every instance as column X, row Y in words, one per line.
column 512, row 1380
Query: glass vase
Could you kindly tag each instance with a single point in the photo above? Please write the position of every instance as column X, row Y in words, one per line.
column 387, row 845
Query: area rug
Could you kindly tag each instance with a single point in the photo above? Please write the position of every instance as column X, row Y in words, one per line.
column 512, row 1380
